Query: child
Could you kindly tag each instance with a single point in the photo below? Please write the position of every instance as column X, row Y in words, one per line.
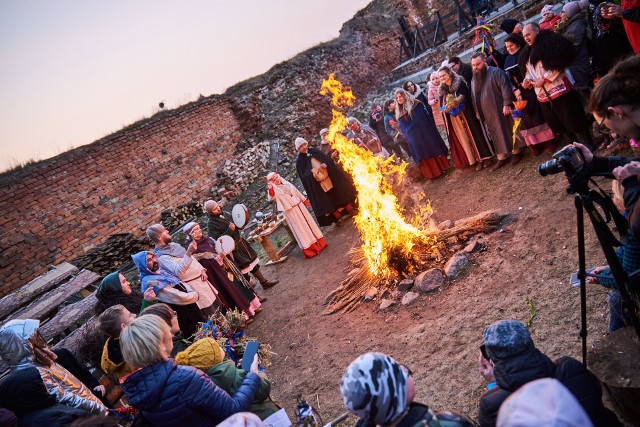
column 207, row 355
column 111, row 322
column 549, row 19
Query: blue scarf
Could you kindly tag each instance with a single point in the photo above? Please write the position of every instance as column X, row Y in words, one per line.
column 163, row 278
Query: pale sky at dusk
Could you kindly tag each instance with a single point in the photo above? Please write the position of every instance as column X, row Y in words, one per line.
column 74, row 71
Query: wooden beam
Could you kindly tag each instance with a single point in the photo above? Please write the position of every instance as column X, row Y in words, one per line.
column 34, row 288
column 68, row 317
column 50, row 301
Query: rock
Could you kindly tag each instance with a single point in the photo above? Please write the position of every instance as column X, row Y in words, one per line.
column 456, row 264
column 472, row 246
column 371, row 294
column 395, row 294
column 405, row 285
column 445, row 225
column 409, row 297
column 386, row 303
column 430, row 280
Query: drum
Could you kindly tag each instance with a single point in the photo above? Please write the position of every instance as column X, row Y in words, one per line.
column 225, row 244
column 240, row 215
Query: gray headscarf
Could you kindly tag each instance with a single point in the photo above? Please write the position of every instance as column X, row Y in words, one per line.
column 374, row 387
column 154, row 231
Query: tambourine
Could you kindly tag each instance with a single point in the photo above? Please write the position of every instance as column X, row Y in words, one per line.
column 240, row 215
column 225, row 244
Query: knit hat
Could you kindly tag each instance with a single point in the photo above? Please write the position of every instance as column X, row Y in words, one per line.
column 188, row 228
column 154, row 231
column 547, row 9
column 300, row 141
column 272, row 175
column 571, row 9
column 374, row 387
column 110, row 285
column 544, row 402
column 209, row 205
column 508, row 25
column 202, row 354
column 506, row 338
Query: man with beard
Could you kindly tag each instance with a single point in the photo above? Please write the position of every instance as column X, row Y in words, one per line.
column 180, row 262
column 492, row 100
column 243, row 255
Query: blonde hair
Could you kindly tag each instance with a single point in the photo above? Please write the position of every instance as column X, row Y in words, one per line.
column 618, row 191
column 408, row 105
column 141, row 341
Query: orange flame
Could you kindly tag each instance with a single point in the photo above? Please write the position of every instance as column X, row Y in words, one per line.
column 380, row 221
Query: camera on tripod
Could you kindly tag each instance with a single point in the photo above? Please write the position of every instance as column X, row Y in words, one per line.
column 570, row 160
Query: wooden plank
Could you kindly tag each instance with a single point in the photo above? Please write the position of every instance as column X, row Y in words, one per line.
column 72, row 341
column 34, row 288
column 67, row 317
column 50, row 301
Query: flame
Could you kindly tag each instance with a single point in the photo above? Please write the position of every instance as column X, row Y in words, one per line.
column 380, row 221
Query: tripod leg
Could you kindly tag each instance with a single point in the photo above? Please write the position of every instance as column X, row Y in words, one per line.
column 582, row 274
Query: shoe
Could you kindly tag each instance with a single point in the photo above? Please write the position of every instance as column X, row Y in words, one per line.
column 515, row 159
column 261, row 299
column 268, row 284
column 479, row 166
column 486, row 163
column 257, row 310
column 500, row 163
column 248, row 321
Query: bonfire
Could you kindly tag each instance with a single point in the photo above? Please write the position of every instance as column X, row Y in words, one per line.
column 394, row 244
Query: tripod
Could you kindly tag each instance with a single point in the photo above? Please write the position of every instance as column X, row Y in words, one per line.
column 585, row 199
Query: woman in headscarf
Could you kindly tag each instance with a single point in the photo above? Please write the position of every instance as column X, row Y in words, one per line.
column 466, row 139
column 115, row 289
column 329, row 189
column 170, row 290
column 294, row 206
column 231, row 294
column 534, row 130
column 427, row 147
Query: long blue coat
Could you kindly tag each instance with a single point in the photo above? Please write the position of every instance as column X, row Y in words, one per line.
column 422, row 135
column 169, row 394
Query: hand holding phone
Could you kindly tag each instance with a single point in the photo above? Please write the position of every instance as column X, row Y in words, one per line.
column 250, row 353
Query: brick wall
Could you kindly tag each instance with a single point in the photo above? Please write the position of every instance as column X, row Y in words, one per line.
column 57, row 209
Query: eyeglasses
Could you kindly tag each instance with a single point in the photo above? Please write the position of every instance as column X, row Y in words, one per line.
column 174, row 313
column 483, row 350
column 602, row 128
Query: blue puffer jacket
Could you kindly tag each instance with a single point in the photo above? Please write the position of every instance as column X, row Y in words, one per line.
column 169, row 394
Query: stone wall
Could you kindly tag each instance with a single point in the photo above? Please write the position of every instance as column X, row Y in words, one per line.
column 60, row 208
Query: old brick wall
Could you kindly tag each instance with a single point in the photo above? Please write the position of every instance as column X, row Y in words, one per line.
column 59, row 208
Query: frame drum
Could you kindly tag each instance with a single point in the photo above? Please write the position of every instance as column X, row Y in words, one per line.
column 240, row 215
column 225, row 244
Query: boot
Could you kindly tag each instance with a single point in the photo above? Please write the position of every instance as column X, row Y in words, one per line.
column 266, row 284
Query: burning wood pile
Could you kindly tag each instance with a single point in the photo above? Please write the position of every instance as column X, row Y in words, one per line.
column 393, row 247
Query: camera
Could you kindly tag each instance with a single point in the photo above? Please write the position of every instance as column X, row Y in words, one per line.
column 569, row 159
column 377, row 115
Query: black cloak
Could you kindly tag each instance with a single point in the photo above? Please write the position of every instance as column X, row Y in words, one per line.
column 325, row 203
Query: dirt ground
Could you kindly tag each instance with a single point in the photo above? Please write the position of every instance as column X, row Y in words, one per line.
column 438, row 335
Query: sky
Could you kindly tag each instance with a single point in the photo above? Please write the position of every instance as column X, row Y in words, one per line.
column 74, row 71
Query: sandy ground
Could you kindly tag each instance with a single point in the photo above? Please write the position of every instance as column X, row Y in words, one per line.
column 438, row 335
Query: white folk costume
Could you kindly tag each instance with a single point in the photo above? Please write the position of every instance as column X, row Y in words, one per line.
column 292, row 203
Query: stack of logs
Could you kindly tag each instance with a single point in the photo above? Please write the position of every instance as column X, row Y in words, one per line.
column 110, row 255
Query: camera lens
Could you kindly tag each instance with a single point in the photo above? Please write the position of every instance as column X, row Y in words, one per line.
column 550, row 167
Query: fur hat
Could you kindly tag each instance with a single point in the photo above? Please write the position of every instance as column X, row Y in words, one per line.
column 508, row 25
column 202, row 354
column 300, row 141
column 209, row 205
column 547, row 9
column 572, row 8
column 374, row 387
column 188, row 228
column 506, row 338
column 544, row 402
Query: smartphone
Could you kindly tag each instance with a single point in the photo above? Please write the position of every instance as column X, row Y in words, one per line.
column 155, row 285
column 249, row 352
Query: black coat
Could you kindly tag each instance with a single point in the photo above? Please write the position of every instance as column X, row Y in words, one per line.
column 512, row 373
column 325, row 203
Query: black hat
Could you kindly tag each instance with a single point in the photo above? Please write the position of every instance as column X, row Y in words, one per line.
column 508, row 25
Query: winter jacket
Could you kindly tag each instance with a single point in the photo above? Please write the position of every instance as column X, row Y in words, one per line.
column 229, row 378
column 513, row 372
column 169, row 394
column 112, row 362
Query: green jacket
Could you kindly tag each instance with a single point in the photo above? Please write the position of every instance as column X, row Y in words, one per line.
column 228, row 377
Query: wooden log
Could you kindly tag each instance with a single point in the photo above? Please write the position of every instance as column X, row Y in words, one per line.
column 73, row 340
column 34, row 288
column 614, row 360
column 67, row 317
column 50, row 301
